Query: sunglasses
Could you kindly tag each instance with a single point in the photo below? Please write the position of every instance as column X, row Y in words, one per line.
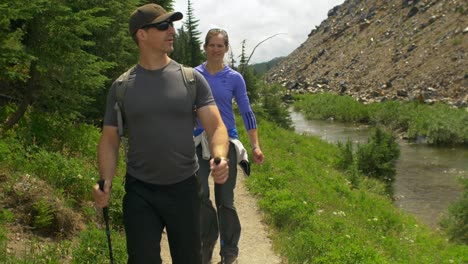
column 162, row 26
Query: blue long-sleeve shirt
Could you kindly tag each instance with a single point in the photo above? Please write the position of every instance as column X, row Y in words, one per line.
column 226, row 85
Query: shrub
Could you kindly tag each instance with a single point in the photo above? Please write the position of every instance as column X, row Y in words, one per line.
column 455, row 223
column 386, row 114
column 378, row 157
column 346, row 158
column 331, row 106
column 43, row 215
column 57, row 133
column 272, row 107
column 72, row 175
column 438, row 124
column 252, row 83
column 3, row 244
column 375, row 159
column 6, row 216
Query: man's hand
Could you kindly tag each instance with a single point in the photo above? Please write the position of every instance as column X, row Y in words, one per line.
column 101, row 196
column 219, row 170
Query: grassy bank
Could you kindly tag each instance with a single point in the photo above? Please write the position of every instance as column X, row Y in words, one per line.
column 437, row 124
column 316, row 215
column 320, row 218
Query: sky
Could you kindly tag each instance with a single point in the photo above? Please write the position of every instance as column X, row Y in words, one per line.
column 257, row 20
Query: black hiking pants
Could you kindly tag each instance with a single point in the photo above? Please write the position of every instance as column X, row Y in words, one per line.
column 224, row 220
column 149, row 208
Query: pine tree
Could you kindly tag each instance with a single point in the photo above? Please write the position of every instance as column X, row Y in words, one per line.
column 196, row 55
column 54, row 54
column 62, row 56
column 251, row 81
column 181, row 47
column 232, row 60
column 243, row 58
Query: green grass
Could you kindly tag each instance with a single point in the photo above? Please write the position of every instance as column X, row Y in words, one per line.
column 438, row 124
column 318, row 217
column 326, row 106
column 316, row 213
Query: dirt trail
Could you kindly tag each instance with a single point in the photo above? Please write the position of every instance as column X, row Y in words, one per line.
column 254, row 246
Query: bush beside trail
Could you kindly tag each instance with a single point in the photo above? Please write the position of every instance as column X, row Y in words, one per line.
column 437, row 124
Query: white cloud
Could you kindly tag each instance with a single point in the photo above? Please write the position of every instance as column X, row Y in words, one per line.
column 256, row 20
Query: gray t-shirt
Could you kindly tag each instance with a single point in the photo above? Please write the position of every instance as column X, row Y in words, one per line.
column 158, row 110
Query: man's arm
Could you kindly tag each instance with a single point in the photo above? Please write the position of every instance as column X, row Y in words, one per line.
column 108, row 154
column 215, row 130
column 218, row 138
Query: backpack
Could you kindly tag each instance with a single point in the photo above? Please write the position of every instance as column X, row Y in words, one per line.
column 126, row 80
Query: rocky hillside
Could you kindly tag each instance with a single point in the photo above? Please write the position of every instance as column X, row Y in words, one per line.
column 384, row 50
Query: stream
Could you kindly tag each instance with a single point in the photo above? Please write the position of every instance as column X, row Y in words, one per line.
column 426, row 182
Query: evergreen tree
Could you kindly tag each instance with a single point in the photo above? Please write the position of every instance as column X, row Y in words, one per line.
column 251, row 81
column 232, row 60
column 56, row 56
column 187, row 43
column 243, row 58
column 181, row 52
column 62, row 56
column 196, row 55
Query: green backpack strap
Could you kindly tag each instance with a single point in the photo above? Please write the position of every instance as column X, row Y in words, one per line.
column 191, row 85
column 123, row 82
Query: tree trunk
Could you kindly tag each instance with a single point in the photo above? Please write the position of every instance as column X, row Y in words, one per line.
column 27, row 99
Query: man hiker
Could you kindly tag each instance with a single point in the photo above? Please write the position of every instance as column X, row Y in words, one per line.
column 161, row 189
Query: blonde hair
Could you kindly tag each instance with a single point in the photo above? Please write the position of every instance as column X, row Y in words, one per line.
column 214, row 32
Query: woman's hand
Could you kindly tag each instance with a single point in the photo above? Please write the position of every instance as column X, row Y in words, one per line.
column 258, row 156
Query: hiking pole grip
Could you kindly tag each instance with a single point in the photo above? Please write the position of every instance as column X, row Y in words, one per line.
column 101, row 187
column 105, row 212
column 101, row 184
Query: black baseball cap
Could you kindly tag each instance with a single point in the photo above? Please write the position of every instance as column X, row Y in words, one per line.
column 150, row 14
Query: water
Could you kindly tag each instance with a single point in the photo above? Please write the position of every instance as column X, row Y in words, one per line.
column 426, row 181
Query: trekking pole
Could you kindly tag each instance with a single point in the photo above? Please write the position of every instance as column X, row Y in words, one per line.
column 105, row 212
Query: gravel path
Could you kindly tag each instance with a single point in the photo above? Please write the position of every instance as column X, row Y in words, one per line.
column 255, row 246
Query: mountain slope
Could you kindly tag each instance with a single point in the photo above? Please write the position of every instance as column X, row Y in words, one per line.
column 384, row 50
